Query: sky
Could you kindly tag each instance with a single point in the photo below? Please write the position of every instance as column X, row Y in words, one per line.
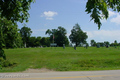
column 49, row 14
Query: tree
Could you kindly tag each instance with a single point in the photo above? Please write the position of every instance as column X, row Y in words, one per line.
column 52, row 34
column 99, row 9
column 25, row 34
column 45, row 41
column 9, row 35
column 106, row 44
column 101, row 44
column 31, row 42
column 93, row 43
column 17, row 9
column 14, row 10
column 77, row 36
column 12, row 38
column 61, row 37
column 115, row 43
column 58, row 35
column 38, row 41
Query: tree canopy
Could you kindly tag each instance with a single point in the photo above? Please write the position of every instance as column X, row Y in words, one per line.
column 9, row 36
column 15, row 10
column 93, row 43
column 25, row 34
column 59, row 36
column 77, row 36
column 98, row 9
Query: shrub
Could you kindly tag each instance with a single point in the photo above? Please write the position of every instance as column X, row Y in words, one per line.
column 5, row 63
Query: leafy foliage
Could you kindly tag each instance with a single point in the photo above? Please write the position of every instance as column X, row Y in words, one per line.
column 77, row 36
column 93, row 43
column 38, row 41
column 25, row 34
column 45, row 41
column 9, row 36
column 98, row 9
column 14, row 10
column 59, row 36
column 17, row 9
column 32, row 41
column 6, row 63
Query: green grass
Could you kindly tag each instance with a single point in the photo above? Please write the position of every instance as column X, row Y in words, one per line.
column 60, row 59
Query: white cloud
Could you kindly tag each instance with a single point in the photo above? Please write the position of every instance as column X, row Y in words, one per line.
column 49, row 15
column 104, row 35
column 90, row 35
column 116, row 18
column 111, row 13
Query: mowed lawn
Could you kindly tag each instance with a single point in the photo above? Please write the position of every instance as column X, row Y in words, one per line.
column 60, row 59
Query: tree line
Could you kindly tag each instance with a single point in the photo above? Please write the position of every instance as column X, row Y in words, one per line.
column 58, row 36
column 105, row 43
column 18, row 38
column 13, row 37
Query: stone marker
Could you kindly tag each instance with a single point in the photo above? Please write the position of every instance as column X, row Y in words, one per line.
column 63, row 46
column 75, row 47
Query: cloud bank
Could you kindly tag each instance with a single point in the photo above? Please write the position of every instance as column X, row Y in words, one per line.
column 104, row 35
column 114, row 17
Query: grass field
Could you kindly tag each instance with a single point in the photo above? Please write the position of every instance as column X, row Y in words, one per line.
column 60, row 59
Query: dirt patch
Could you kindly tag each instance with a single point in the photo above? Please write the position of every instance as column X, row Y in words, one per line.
column 38, row 70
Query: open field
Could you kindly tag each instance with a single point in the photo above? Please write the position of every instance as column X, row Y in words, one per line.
column 60, row 59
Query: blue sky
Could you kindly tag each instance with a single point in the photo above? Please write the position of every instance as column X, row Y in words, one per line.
column 49, row 14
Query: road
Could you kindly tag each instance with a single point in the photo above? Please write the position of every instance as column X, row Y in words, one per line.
column 74, row 75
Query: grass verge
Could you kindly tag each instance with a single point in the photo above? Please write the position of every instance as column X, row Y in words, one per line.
column 60, row 59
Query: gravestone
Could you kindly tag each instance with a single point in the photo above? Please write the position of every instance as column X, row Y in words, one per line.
column 75, row 47
column 63, row 46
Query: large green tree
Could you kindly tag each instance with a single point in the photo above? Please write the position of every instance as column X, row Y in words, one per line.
column 77, row 36
column 12, row 37
column 25, row 34
column 9, row 35
column 52, row 34
column 58, row 35
column 98, row 9
column 14, row 10
column 61, row 37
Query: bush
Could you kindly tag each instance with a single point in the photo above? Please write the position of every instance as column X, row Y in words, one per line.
column 5, row 63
